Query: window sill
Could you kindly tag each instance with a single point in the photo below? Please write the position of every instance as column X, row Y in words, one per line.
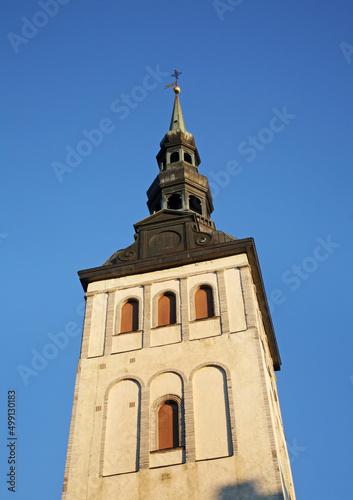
column 165, row 326
column 167, row 457
column 166, row 450
column 126, row 333
column 204, row 319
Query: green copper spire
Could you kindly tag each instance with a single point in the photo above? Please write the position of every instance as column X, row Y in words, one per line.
column 177, row 121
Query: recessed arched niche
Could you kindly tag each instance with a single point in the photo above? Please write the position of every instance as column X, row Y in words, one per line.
column 122, row 434
column 213, row 436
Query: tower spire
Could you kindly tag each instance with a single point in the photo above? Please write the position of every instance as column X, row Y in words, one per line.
column 177, row 121
column 179, row 185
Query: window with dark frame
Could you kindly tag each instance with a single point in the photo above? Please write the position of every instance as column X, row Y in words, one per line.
column 204, row 302
column 129, row 316
column 167, row 309
column 168, row 425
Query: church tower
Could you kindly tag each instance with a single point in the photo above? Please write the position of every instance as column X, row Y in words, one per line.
column 175, row 393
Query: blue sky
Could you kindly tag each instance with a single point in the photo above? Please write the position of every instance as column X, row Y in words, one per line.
column 267, row 93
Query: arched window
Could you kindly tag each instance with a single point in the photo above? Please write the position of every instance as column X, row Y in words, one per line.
column 174, row 157
column 195, row 204
column 187, row 157
column 167, row 309
column 129, row 316
column 204, row 302
column 174, row 201
column 168, row 425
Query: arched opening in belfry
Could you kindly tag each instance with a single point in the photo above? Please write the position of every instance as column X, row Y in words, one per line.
column 195, row 204
column 174, row 201
column 174, row 157
column 187, row 158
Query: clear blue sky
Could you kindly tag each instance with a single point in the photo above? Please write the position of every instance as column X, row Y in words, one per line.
column 267, row 93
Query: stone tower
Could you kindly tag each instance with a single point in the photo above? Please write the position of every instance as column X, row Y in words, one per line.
column 175, row 393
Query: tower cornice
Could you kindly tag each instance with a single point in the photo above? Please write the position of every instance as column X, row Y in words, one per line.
column 189, row 256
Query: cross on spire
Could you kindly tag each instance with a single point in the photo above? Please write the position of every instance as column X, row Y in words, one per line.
column 174, row 84
column 176, row 75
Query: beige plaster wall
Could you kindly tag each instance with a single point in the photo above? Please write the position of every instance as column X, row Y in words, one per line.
column 225, row 370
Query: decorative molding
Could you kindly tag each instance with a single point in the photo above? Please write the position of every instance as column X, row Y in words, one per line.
column 222, row 291
column 147, row 320
column 184, row 304
column 190, row 450
column 87, row 327
column 248, row 296
column 145, row 428
column 109, row 323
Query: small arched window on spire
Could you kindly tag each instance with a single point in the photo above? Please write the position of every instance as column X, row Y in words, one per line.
column 174, row 157
column 195, row 204
column 129, row 316
column 174, row 202
column 167, row 309
column 168, row 425
column 204, row 302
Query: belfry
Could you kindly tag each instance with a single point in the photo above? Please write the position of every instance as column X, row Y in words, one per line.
column 175, row 394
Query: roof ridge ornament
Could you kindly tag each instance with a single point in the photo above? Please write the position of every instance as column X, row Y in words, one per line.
column 176, row 74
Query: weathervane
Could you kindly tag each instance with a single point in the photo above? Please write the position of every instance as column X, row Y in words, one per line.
column 175, row 84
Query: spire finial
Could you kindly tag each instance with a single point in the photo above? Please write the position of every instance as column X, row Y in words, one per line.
column 175, row 84
column 176, row 75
